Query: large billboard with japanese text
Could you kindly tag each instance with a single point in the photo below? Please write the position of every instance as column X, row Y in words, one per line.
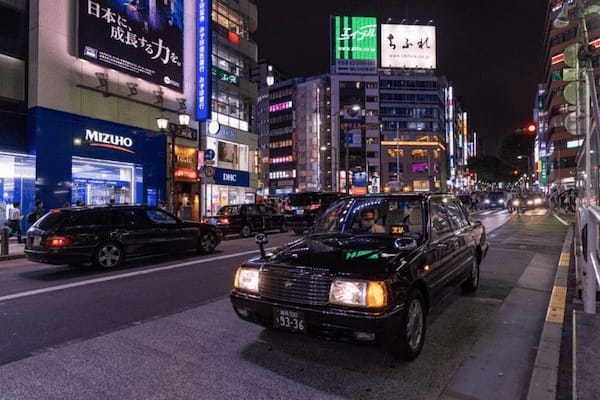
column 354, row 44
column 408, row 46
column 143, row 38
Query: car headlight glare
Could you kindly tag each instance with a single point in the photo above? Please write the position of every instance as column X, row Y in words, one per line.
column 501, row 201
column 367, row 294
column 247, row 279
column 529, row 202
column 516, row 203
column 538, row 201
column 487, row 201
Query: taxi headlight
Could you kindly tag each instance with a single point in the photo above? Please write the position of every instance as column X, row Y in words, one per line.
column 367, row 294
column 247, row 279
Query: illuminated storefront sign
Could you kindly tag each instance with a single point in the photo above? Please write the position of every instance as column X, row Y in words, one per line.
column 146, row 42
column 107, row 140
column 354, row 44
column 226, row 76
column 186, row 163
column 203, row 59
column 281, row 106
column 408, row 46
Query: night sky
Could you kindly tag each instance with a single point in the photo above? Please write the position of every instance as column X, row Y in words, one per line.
column 490, row 49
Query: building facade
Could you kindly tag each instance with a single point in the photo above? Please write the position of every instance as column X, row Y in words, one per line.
column 229, row 141
column 561, row 142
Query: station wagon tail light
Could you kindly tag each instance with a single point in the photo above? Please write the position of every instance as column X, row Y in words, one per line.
column 58, row 241
column 356, row 293
column 247, row 279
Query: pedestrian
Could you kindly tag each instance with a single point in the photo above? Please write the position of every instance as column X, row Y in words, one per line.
column 14, row 220
column 3, row 219
column 185, row 212
column 37, row 213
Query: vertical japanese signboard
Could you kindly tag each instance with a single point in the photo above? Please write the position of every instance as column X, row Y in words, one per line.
column 143, row 38
column 408, row 46
column 354, row 44
column 203, row 59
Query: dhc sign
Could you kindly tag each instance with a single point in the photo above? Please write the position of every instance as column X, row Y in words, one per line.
column 231, row 177
column 100, row 139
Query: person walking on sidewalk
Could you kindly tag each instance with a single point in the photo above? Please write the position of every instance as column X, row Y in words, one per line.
column 37, row 213
column 14, row 220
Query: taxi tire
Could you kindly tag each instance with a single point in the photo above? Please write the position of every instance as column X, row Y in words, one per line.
column 397, row 345
column 472, row 283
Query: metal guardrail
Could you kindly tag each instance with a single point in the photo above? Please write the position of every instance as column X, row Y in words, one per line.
column 588, row 230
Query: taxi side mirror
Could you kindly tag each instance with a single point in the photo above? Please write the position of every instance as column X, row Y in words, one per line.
column 261, row 240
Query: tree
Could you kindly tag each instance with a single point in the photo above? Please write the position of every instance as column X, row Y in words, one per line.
column 515, row 145
column 491, row 169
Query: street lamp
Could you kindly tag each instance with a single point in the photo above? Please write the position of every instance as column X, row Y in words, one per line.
column 184, row 119
column 162, row 123
column 520, row 157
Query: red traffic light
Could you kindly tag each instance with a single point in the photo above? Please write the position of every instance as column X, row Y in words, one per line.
column 531, row 128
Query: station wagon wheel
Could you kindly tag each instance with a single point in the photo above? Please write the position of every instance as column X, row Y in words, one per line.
column 246, row 231
column 109, row 255
column 408, row 337
column 472, row 283
column 208, row 242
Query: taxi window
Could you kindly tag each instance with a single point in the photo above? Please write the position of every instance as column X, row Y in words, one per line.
column 387, row 216
column 440, row 220
column 457, row 219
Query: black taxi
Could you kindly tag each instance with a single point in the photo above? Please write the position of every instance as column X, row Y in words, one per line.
column 370, row 269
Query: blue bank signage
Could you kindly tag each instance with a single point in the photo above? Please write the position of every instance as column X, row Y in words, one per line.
column 203, row 59
column 231, row 177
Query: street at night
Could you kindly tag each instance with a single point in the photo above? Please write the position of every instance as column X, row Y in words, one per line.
column 257, row 199
column 167, row 329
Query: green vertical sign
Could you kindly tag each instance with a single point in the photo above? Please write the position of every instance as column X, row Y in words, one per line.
column 355, row 38
column 544, row 171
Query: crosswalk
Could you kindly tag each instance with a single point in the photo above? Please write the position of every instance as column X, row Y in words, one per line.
column 490, row 212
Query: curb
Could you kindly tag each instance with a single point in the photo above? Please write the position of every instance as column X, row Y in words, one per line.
column 13, row 257
column 545, row 369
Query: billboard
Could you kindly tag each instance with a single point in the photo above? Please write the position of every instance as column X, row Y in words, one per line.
column 354, row 44
column 408, row 46
column 203, row 59
column 143, row 38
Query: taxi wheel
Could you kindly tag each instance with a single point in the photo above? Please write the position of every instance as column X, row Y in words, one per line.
column 472, row 283
column 246, row 231
column 409, row 338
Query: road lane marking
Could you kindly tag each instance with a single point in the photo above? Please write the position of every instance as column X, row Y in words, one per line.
column 123, row 276
column 556, row 310
column 562, row 221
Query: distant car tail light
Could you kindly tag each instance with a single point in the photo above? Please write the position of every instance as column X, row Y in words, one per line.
column 314, row 206
column 58, row 241
column 224, row 221
column 55, row 211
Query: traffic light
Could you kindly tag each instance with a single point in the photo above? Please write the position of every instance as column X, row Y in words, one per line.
column 516, row 172
column 531, row 128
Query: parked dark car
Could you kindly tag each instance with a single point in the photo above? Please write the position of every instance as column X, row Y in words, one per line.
column 107, row 236
column 303, row 209
column 244, row 219
column 494, row 200
column 370, row 270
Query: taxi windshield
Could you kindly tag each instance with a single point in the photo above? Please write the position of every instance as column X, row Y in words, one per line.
column 387, row 216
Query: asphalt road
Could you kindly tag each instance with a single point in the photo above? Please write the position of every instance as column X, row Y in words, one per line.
column 163, row 328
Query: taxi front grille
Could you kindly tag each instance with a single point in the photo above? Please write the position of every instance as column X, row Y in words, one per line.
column 295, row 285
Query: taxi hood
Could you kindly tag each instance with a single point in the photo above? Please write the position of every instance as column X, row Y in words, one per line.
column 345, row 253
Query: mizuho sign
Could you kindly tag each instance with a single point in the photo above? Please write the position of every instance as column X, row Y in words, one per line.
column 110, row 141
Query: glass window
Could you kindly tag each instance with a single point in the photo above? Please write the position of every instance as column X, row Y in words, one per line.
column 440, row 220
column 457, row 219
column 160, row 217
column 126, row 217
column 229, row 211
column 89, row 218
column 389, row 216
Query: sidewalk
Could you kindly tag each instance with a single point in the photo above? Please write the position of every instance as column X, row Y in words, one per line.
column 15, row 250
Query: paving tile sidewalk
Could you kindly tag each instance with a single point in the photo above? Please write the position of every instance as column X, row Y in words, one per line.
column 15, row 250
